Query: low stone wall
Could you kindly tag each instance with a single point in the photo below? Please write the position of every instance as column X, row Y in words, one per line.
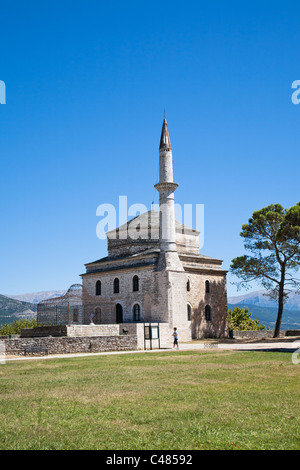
column 93, row 330
column 43, row 331
column 71, row 331
column 102, row 331
column 252, row 334
column 65, row 345
column 292, row 333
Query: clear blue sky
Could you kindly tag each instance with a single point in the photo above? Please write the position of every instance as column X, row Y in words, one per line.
column 87, row 84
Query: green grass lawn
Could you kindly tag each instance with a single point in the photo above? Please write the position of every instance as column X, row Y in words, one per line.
column 157, row 401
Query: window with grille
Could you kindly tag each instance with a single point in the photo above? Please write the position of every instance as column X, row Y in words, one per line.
column 136, row 312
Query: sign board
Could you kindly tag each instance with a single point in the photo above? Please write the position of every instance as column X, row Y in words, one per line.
column 154, row 332
column 147, row 332
column 151, row 332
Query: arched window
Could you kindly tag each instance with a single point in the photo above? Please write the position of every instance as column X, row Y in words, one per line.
column 97, row 316
column 75, row 314
column 207, row 287
column 136, row 312
column 135, row 283
column 207, row 313
column 189, row 312
column 116, row 286
column 98, row 288
column 188, row 285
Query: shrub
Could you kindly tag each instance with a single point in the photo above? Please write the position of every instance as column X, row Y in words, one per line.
column 240, row 319
column 15, row 327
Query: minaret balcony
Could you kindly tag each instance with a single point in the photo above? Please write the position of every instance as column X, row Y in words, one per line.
column 166, row 186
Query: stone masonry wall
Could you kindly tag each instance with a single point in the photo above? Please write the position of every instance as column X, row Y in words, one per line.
column 65, row 345
column 73, row 330
column 42, row 331
column 147, row 297
column 253, row 334
column 178, row 299
column 154, row 299
column 92, row 330
column 198, row 298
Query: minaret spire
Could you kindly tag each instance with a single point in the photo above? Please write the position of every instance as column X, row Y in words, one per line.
column 165, row 142
column 169, row 258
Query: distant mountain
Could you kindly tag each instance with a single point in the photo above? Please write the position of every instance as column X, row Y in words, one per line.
column 268, row 315
column 258, row 298
column 12, row 307
column 265, row 310
column 37, row 297
column 23, row 306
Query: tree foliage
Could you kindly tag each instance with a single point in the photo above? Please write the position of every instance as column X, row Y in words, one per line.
column 272, row 236
column 240, row 319
column 15, row 327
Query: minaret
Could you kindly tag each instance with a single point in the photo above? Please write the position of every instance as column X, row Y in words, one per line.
column 168, row 259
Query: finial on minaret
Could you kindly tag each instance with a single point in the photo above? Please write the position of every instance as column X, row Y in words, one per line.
column 165, row 142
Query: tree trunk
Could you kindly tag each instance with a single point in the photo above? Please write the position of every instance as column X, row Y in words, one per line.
column 279, row 318
column 280, row 303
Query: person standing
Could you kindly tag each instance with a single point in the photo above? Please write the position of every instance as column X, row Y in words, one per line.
column 175, row 339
